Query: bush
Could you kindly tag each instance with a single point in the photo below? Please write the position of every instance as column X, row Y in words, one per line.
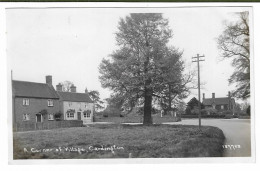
column 188, row 110
column 227, row 112
column 228, row 116
column 248, row 110
column 203, row 116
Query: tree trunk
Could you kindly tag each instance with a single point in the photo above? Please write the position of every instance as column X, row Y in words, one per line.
column 148, row 107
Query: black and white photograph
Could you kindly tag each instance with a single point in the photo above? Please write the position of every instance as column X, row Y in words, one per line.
column 130, row 83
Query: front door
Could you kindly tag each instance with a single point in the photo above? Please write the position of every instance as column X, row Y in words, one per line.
column 79, row 115
column 38, row 118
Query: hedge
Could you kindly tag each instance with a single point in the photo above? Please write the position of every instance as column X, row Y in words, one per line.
column 203, row 116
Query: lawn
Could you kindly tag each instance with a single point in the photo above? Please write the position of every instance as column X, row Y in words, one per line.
column 120, row 141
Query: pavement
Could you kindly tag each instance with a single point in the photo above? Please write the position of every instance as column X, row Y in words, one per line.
column 236, row 131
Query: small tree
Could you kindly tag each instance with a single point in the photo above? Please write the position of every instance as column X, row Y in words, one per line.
column 94, row 95
column 193, row 103
column 66, row 86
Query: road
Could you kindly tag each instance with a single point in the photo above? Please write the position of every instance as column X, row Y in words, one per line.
column 236, row 131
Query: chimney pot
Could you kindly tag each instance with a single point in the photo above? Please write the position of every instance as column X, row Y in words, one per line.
column 213, row 95
column 59, row 87
column 86, row 91
column 73, row 88
column 203, row 96
column 49, row 80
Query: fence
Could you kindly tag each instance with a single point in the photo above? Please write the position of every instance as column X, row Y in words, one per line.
column 30, row 126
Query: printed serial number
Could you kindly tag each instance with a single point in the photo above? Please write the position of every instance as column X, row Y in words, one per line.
column 231, row 147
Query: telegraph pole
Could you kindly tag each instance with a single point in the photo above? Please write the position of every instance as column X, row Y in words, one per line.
column 197, row 59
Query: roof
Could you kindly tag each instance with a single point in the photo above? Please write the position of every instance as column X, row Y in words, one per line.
column 74, row 97
column 217, row 101
column 34, row 90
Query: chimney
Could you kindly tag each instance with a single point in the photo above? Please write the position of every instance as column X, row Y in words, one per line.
column 86, row 91
column 73, row 88
column 59, row 87
column 203, row 96
column 229, row 94
column 49, row 80
column 213, row 95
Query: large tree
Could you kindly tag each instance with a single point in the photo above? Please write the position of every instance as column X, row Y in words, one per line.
column 234, row 43
column 142, row 66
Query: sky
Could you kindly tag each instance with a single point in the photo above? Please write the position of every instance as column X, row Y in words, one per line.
column 70, row 43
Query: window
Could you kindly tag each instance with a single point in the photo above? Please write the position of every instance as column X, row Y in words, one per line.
column 87, row 113
column 26, row 102
column 50, row 117
column 50, row 102
column 26, row 117
column 70, row 115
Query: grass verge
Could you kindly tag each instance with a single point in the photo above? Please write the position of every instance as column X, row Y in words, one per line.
column 120, row 141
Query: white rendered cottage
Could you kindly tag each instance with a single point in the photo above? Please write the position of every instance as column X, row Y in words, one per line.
column 75, row 106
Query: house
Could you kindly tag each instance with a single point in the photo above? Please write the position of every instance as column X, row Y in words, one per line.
column 220, row 103
column 34, row 102
column 75, row 106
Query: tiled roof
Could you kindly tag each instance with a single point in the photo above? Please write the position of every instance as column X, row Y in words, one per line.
column 217, row 101
column 34, row 90
column 74, row 97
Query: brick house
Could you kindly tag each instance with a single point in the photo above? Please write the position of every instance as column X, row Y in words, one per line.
column 75, row 106
column 220, row 103
column 34, row 102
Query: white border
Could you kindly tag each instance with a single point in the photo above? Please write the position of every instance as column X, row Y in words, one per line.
column 3, row 89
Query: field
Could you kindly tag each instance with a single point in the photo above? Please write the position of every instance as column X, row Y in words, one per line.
column 119, row 141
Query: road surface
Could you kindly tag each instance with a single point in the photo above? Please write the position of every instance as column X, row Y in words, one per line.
column 236, row 131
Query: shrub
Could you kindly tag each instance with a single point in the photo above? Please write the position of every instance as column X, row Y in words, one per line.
column 203, row 116
column 58, row 116
column 188, row 110
column 228, row 116
column 248, row 110
column 227, row 112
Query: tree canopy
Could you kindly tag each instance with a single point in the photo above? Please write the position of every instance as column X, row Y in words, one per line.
column 144, row 68
column 234, row 43
column 66, row 86
column 94, row 95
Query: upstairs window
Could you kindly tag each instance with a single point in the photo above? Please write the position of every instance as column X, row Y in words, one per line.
column 26, row 117
column 26, row 102
column 50, row 103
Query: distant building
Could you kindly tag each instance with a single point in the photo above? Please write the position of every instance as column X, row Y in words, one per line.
column 220, row 103
column 76, row 106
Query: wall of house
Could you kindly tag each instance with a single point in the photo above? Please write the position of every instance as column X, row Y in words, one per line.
column 34, row 107
column 78, row 107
